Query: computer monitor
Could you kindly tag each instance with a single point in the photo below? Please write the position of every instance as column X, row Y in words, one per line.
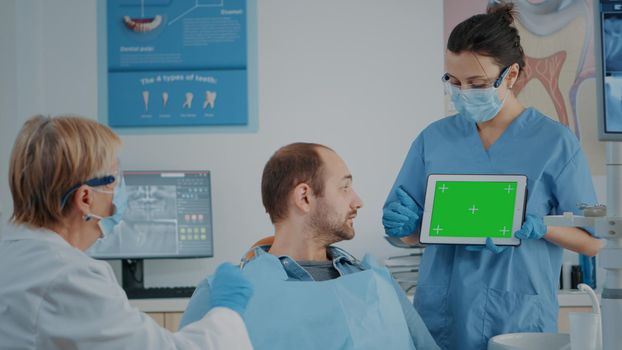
column 608, row 63
column 168, row 215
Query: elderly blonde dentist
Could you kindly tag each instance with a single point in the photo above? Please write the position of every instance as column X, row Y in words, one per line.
column 67, row 193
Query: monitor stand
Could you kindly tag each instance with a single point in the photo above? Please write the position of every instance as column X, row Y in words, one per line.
column 132, row 275
column 133, row 282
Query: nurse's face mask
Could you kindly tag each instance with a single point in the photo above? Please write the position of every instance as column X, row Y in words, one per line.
column 479, row 100
column 119, row 200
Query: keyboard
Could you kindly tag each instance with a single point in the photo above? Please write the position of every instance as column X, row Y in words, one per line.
column 160, row 292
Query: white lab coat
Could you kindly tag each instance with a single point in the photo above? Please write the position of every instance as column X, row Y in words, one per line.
column 53, row 296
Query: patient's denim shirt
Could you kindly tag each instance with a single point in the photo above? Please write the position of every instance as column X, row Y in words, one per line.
column 346, row 264
column 343, row 262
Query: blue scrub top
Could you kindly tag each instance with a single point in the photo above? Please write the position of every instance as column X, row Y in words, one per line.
column 466, row 297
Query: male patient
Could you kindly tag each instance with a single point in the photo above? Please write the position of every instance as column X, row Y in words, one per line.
column 308, row 293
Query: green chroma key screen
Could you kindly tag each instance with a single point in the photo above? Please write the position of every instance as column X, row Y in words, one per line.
column 473, row 209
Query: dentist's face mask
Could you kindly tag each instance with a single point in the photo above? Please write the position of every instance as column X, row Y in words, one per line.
column 119, row 200
column 479, row 102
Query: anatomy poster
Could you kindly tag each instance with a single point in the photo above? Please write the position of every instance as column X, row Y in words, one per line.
column 559, row 77
column 177, row 62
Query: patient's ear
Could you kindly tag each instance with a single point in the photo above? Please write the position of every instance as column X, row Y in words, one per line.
column 302, row 197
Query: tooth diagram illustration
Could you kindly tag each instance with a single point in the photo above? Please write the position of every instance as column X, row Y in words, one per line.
column 188, row 101
column 142, row 25
column 164, row 99
column 146, row 100
column 210, row 99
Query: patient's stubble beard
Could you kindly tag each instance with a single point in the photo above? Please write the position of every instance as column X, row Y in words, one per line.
column 329, row 226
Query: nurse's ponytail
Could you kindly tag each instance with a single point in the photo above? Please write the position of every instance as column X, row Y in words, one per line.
column 504, row 12
column 491, row 34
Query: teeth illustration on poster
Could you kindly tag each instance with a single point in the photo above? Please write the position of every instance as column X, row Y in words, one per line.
column 142, row 25
column 188, row 101
column 146, row 100
column 164, row 99
column 210, row 99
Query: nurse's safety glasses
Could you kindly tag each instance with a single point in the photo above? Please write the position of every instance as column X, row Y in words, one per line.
column 94, row 182
column 453, row 83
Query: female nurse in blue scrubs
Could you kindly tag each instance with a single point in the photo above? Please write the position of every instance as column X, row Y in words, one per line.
column 468, row 294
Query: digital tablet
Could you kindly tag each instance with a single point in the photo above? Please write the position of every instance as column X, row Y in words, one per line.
column 467, row 209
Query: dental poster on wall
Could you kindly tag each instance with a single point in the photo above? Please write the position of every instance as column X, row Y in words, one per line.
column 177, row 63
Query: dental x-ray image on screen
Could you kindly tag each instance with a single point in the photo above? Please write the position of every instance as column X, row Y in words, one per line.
column 612, row 40
column 610, row 75
column 168, row 215
column 151, row 202
column 613, row 103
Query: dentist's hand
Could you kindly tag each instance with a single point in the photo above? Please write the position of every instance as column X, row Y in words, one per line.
column 490, row 245
column 533, row 228
column 400, row 217
column 230, row 289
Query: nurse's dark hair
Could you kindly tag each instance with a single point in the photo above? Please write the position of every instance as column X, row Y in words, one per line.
column 492, row 34
column 289, row 167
